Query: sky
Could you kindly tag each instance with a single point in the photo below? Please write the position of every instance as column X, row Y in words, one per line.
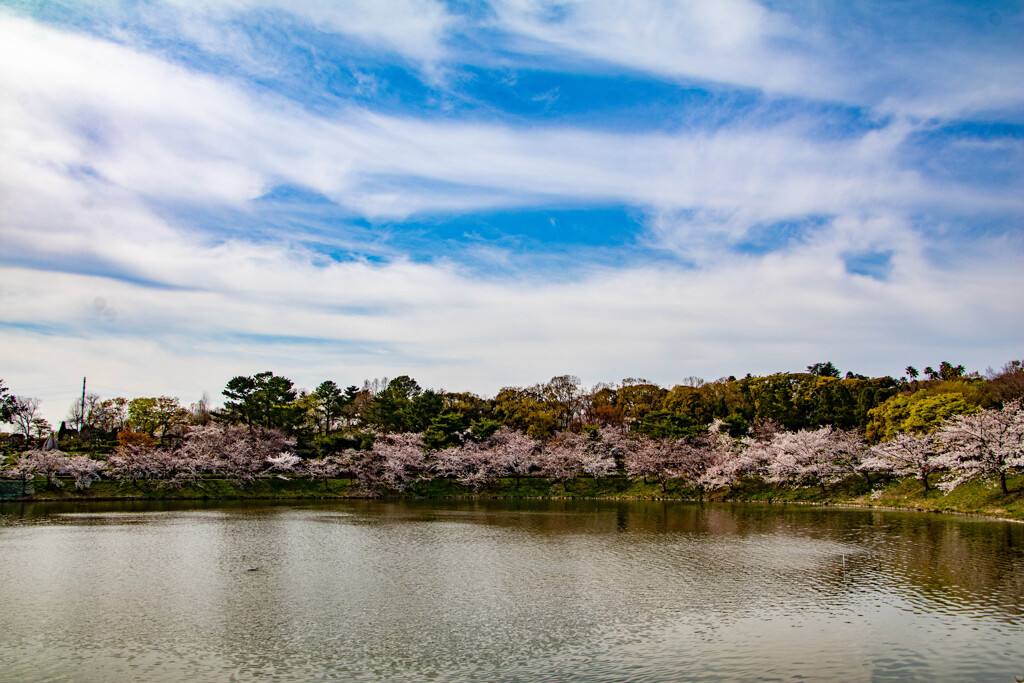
column 485, row 194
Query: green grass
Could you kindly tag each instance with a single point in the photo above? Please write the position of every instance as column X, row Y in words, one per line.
column 979, row 498
column 208, row 489
column 974, row 497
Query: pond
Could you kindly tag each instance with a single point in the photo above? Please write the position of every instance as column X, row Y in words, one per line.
column 510, row 591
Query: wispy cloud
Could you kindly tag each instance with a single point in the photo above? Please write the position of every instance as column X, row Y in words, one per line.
column 920, row 58
column 160, row 131
column 174, row 200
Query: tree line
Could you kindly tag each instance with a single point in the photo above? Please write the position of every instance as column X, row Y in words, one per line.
column 794, row 428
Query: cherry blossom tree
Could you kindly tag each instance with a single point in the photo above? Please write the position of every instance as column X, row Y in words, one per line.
column 561, row 458
column 140, row 461
column 752, row 457
column 987, row 444
column 597, row 459
column 110, row 415
column 849, row 452
column 84, row 469
column 819, row 457
column 49, row 463
column 239, row 453
column 283, row 462
column 764, row 429
column 394, row 463
column 471, row 464
column 23, row 469
column 324, row 468
column 52, row 464
column 131, row 462
column 515, row 452
column 707, row 462
column 907, row 454
column 649, row 459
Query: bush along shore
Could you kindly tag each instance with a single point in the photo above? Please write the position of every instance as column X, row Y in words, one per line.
column 974, row 498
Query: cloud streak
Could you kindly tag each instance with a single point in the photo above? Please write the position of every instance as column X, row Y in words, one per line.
column 922, row 58
column 781, row 236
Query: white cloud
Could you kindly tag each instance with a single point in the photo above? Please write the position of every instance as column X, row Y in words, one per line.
column 415, row 29
column 163, row 132
column 730, row 41
column 908, row 60
column 448, row 329
column 92, row 133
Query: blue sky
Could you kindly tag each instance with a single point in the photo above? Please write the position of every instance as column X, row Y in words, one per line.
column 486, row 194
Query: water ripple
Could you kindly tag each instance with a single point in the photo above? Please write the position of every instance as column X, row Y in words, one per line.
column 518, row 591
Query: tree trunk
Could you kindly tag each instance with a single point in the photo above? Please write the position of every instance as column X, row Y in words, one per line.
column 1002, row 483
column 924, row 478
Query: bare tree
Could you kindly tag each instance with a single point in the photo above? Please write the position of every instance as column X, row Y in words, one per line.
column 23, row 414
column 1007, row 383
column 83, row 414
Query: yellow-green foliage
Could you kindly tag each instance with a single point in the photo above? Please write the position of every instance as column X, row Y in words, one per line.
column 919, row 413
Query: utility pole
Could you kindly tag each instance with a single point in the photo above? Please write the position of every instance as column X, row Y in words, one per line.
column 81, row 415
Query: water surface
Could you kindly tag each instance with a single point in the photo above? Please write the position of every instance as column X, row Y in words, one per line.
column 514, row 591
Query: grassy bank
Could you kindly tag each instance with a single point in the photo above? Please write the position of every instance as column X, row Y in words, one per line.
column 977, row 498
column 209, row 489
column 971, row 498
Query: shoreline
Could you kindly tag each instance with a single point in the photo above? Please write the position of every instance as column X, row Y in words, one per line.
column 975, row 499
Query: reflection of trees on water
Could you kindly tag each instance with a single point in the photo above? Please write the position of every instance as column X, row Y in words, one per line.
column 958, row 565
column 743, row 551
column 951, row 564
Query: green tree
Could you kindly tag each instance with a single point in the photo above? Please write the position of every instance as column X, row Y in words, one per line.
column 469, row 405
column 949, row 372
column 261, row 400
column 425, row 407
column 483, row 428
column 445, row 431
column 772, row 399
column 525, row 410
column 690, row 402
column 824, row 400
column 637, row 397
column 156, row 417
column 735, row 425
column 403, row 406
column 327, row 406
column 928, row 413
column 665, row 425
column 871, row 394
column 7, row 403
column 823, row 370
